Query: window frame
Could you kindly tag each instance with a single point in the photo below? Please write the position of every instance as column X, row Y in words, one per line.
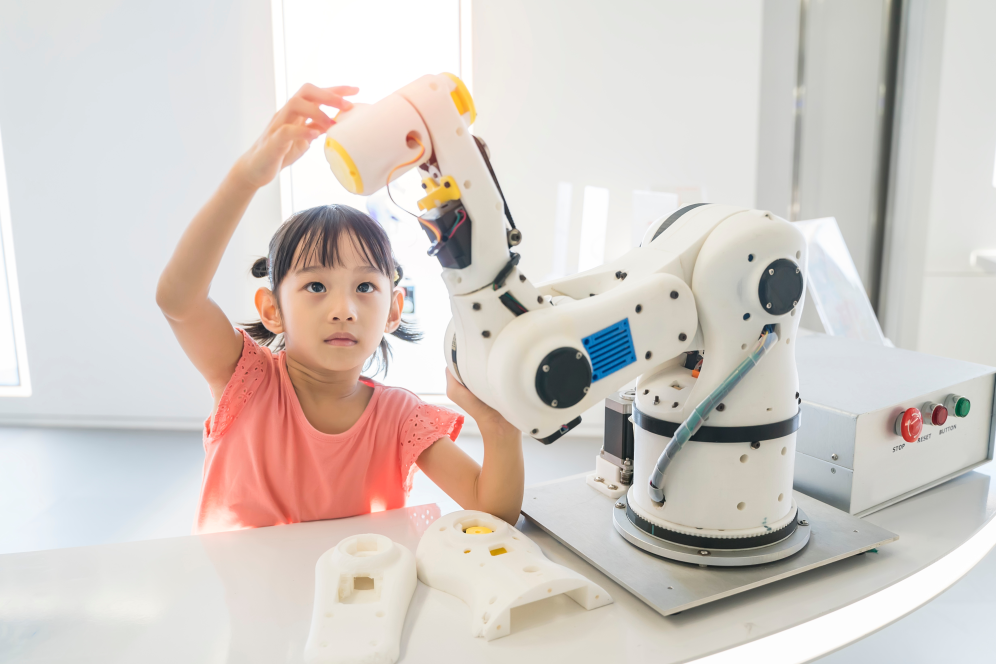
column 9, row 265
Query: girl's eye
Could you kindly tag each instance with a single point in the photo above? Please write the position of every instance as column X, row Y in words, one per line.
column 315, row 287
column 365, row 287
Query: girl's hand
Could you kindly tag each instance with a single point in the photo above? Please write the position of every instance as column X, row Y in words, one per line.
column 485, row 416
column 290, row 132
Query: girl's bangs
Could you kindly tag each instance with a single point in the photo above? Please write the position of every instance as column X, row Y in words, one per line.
column 314, row 238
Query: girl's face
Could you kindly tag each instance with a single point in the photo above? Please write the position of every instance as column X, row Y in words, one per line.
column 333, row 318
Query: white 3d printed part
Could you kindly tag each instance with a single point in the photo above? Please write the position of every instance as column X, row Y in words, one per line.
column 362, row 590
column 494, row 568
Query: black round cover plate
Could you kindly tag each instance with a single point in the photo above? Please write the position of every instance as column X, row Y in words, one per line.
column 781, row 287
column 566, row 380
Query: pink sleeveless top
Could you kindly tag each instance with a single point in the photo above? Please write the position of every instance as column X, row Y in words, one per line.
column 266, row 465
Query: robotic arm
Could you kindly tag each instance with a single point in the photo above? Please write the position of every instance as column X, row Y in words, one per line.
column 709, row 286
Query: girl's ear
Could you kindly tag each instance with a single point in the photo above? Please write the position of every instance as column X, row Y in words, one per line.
column 269, row 313
column 394, row 315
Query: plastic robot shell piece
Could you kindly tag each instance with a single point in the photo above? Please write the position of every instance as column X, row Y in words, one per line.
column 362, row 590
column 494, row 568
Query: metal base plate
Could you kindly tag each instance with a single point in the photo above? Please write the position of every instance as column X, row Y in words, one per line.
column 583, row 520
column 710, row 557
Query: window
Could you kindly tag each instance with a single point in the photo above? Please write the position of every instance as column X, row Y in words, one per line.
column 378, row 47
column 14, row 379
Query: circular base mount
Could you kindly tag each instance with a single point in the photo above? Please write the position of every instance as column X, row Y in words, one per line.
column 710, row 557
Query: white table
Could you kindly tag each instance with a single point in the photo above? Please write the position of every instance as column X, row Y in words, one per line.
column 247, row 596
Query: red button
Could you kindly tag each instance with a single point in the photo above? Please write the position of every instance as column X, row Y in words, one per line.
column 939, row 416
column 909, row 424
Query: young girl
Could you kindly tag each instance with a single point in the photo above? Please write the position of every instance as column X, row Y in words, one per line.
column 299, row 434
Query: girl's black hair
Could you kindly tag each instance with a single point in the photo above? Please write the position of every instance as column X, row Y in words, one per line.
column 317, row 233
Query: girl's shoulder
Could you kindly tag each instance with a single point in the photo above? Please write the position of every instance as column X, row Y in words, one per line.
column 419, row 424
column 414, row 416
column 257, row 366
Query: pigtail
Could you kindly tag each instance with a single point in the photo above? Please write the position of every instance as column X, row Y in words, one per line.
column 382, row 358
column 256, row 330
column 260, row 268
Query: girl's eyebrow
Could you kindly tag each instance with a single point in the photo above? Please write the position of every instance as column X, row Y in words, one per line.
column 317, row 267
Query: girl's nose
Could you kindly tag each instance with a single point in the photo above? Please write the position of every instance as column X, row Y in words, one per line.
column 342, row 311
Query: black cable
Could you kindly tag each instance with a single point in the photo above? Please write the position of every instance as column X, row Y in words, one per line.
column 505, row 271
column 484, row 153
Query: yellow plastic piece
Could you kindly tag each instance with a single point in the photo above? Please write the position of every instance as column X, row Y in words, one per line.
column 344, row 168
column 478, row 530
column 497, row 552
column 438, row 193
column 461, row 97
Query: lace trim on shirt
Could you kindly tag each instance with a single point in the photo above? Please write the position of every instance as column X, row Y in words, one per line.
column 240, row 388
column 425, row 425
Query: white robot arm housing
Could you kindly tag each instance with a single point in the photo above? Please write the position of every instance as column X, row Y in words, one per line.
column 538, row 364
column 688, row 313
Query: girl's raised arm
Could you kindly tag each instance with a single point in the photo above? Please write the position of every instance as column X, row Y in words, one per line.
column 204, row 332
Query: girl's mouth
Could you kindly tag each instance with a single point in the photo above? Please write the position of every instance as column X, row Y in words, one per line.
column 341, row 339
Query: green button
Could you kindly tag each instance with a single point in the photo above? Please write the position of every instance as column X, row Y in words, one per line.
column 962, row 407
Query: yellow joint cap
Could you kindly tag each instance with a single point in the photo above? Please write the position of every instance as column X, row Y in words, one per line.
column 438, row 193
column 478, row 530
column 462, row 99
column 343, row 167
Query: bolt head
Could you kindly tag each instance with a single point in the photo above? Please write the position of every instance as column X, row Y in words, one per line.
column 803, row 522
column 554, row 403
column 546, row 368
column 620, row 505
column 834, row 457
column 585, row 390
column 612, row 487
column 771, row 271
column 674, row 295
column 598, row 479
column 767, row 306
column 682, row 336
column 703, row 552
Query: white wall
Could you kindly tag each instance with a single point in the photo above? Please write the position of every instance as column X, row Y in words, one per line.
column 629, row 95
column 944, row 202
column 776, row 133
column 624, row 95
column 118, row 119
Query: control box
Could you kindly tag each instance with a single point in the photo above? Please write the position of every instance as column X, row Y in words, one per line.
column 881, row 424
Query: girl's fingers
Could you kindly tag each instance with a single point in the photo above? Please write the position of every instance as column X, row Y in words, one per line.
column 297, row 110
column 328, row 96
column 461, row 396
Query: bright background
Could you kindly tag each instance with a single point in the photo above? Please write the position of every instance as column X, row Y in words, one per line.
column 119, row 118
